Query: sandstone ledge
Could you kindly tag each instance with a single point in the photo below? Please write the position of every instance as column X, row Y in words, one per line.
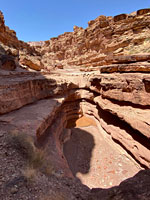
column 124, row 68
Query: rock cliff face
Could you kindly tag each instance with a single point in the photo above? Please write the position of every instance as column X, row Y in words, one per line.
column 21, row 52
column 114, row 94
column 102, row 43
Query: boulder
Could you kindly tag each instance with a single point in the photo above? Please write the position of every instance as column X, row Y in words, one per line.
column 31, row 63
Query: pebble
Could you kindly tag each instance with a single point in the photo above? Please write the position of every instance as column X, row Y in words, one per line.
column 14, row 190
column 110, row 183
column 120, row 164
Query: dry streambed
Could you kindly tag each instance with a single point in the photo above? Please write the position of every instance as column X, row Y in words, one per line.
column 97, row 163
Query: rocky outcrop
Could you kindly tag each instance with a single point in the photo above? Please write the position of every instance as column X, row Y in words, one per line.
column 122, row 68
column 32, row 63
column 100, row 43
column 18, row 49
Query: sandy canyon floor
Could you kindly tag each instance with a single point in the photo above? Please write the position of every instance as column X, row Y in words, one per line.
column 94, row 159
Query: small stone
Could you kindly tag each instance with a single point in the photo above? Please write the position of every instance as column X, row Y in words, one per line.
column 14, row 190
column 110, row 183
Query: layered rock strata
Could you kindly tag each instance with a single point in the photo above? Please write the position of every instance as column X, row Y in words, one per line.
column 19, row 51
column 103, row 42
column 109, row 98
column 107, row 40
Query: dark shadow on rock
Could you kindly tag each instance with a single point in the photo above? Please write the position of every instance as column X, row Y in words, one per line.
column 7, row 60
column 78, row 151
column 135, row 188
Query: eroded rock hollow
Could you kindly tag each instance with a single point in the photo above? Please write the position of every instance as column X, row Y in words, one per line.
column 80, row 105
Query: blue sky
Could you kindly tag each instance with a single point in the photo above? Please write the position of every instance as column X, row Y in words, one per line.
column 36, row 20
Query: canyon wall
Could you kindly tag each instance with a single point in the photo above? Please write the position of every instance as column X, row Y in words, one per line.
column 15, row 51
column 101, row 43
column 118, row 102
column 107, row 40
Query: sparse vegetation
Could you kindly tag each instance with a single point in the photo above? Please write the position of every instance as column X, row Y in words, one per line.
column 29, row 173
column 141, row 48
column 24, row 143
column 36, row 158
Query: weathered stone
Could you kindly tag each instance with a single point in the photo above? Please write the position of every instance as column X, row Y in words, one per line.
column 120, row 68
column 137, row 118
column 120, row 17
column 32, row 64
column 83, row 47
column 143, row 11
column 125, row 87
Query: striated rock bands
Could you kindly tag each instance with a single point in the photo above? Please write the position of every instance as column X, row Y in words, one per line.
column 128, row 104
column 102, row 43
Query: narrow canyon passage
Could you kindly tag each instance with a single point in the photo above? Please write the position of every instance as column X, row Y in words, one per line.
column 93, row 160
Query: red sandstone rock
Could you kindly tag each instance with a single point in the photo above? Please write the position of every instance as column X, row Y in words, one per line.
column 143, row 11
column 120, row 17
column 135, row 117
column 120, row 68
column 12, row 46
column 126, row 87
column 104, row 38
column 32, row 64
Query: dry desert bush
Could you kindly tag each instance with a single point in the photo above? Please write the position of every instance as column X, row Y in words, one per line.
column 35, row 157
